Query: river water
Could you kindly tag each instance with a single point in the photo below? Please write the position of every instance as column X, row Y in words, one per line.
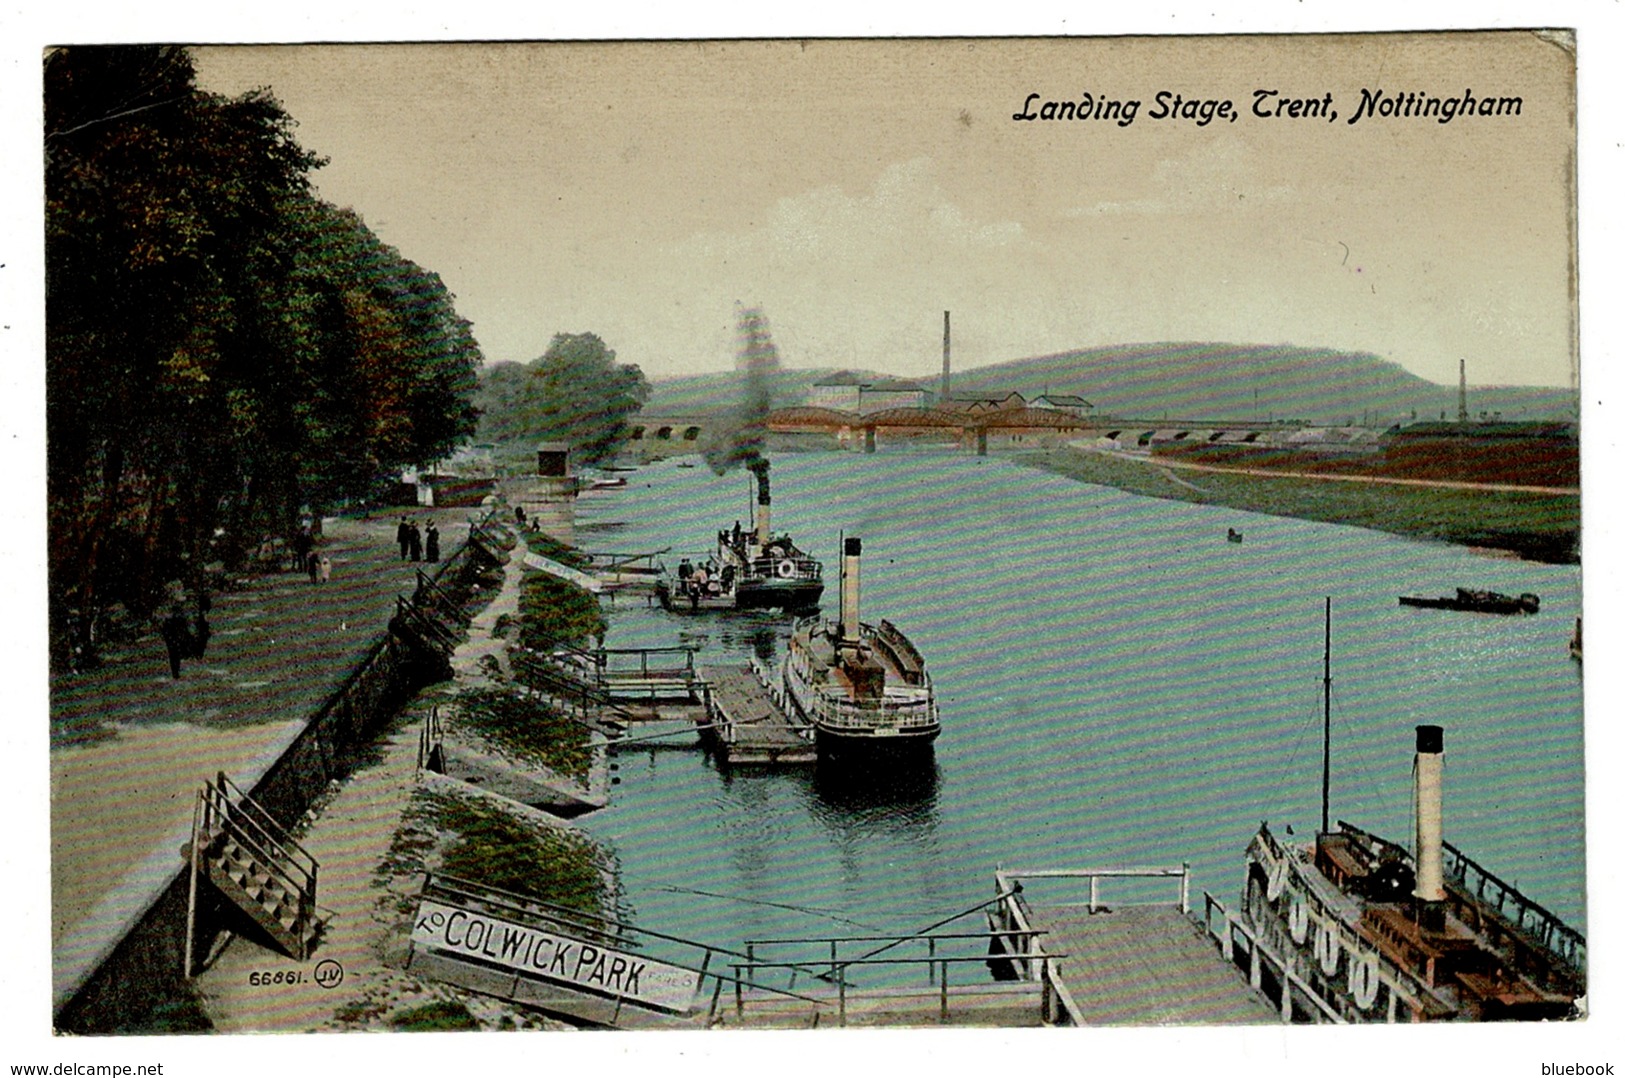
column 1119, row 685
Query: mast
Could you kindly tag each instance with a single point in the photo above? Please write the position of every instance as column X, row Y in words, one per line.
column 1326, row 736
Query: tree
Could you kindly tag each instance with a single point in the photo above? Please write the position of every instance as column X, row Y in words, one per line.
column 221, row 347
column 574, row 392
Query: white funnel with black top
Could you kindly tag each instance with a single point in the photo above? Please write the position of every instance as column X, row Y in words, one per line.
column 1429, row 782
column 851, row 554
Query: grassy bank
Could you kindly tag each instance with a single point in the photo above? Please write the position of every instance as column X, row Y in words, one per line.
column 526, row 730
column 554, row 611
column 477, row 838
column 1535, row 526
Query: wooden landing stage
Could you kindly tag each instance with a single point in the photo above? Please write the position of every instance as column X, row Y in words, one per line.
column 746, row 725
column 1129, row 964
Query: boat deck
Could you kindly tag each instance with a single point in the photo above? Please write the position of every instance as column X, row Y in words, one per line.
column 1145, row 965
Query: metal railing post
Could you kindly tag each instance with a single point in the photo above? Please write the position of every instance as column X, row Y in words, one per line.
column 1286, row 989
column 840, row 981
column 1185, row 888
column 191, row 891
column 1094, row 893
column 942, row 1012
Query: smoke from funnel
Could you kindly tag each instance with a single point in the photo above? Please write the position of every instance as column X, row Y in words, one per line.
column 758, row 358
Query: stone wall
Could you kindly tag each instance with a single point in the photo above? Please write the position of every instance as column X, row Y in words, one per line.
column 143, row 971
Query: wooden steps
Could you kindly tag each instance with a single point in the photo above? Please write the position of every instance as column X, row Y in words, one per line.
column 252, row 860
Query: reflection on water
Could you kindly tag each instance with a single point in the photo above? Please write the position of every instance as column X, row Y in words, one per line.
column 887, row 796
column 1118, row 683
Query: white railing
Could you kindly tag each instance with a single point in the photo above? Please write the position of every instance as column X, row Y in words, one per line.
column 1036, row 964
column 1259, row 957
column 1403, row 988
column 1007, row 879
column 840, row 713
column 768, row 569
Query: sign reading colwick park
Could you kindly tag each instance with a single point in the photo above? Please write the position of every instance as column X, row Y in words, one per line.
column 548, row 956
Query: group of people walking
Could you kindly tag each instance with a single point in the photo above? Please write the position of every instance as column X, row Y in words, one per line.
column 418, row 544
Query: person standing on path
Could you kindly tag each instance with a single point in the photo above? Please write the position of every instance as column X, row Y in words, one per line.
column 200, row 638
column 403, row 536
column 414, row 541
column 325, row 570
column 177, row 639
column 302, row 544
column 311, row 566
column 431, row 543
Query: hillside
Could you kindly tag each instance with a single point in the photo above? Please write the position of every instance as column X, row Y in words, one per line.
column 703, row 394
column 1185, row 380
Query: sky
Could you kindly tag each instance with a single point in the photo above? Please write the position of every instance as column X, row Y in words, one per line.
column 857, row 189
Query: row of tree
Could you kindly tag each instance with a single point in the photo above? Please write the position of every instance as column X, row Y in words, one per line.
column 574, row 392
column 224, row 349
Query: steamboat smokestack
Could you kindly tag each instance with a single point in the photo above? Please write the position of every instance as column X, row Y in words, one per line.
column 1429, row 771
column 764, row 512
column 945, row 397
column 850, row 556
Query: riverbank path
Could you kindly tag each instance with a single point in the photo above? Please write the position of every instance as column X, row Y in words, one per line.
column 1272, row 473
column 131, row 745
column 350, row 836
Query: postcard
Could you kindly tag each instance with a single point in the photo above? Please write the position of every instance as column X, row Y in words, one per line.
column 722, row 533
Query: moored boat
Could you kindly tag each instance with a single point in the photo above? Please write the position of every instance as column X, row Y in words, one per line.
column 1482, row 602
column 751, row 570
column 1374, row 932
column 862, row 688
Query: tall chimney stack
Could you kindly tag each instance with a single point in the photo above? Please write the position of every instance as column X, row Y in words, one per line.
column 945, row 398
column 1461, row 396
column 764, row 512
column 1429, row 770
column 850, row 556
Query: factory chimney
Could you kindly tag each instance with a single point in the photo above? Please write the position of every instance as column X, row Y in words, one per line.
column 1461, row 396
column 1429, row 807
column 945, row 398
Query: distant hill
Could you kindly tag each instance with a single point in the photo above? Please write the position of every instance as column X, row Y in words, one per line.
column 704, row 394
column 1184, row 380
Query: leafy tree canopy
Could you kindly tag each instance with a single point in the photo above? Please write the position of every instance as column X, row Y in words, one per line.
column 574, row 392
column 222, row 348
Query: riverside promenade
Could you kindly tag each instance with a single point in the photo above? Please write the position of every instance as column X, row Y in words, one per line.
column 131, row 745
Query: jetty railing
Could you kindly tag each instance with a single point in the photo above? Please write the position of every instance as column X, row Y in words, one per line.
column 937, row 967
column 1014, row 914
column 711, row 966
column 1008, row 880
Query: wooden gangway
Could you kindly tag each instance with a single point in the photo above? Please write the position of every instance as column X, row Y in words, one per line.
column 1128, row 962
